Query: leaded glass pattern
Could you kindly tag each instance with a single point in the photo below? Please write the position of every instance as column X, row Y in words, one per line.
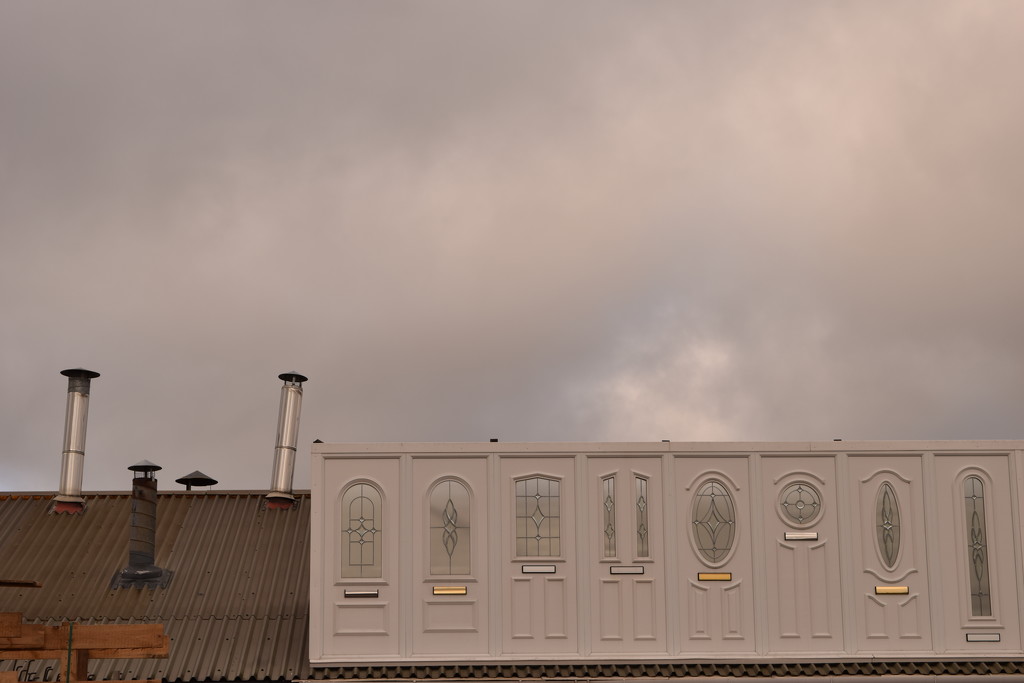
column 449, row 529
column 538, row 532
column 642, row 528
column 714, row 521
column 800, row 503
column 362, row 532
column 608, row 514
column 977, row 547
column 887, row 525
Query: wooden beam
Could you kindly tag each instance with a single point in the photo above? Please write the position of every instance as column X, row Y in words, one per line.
column 86, row 637
column 9, row 676
column 79, row 662
column 133, row 652
column 10, row 624
column 85, row 641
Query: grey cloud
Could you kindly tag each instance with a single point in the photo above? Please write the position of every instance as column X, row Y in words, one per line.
column 529, row 221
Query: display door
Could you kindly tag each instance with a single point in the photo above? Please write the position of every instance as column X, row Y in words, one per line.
column 538, row 555
column 804, row 604
column 364, row 619
column 627, row 555
column 888, row 527
column 716, row 575
column 450, row 556
column 976, row 537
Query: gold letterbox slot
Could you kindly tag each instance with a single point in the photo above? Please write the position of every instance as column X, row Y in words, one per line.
column 892, row 590
column 714, row 576
column 449, row 590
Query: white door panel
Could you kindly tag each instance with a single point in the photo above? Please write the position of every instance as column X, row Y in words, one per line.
column 450, row 607
column 888, row 527
column 715, row 584
column 800, row 524
column 976, row 537
column 538, row 555
column 362, row 523
column 627, row 555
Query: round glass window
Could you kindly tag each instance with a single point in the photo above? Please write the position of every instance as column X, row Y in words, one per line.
column 800, row 504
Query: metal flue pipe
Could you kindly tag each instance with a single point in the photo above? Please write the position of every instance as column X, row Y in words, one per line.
column 142, row 570
column 287, row 438
column 75, row 420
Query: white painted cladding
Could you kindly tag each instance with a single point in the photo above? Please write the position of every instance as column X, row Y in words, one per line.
column 542, row 551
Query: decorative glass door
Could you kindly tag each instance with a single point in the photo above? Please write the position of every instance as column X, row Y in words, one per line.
column 716, row 577
column 892, row 600
column 978, row 575
column 538, row 555
column 450, row 609
column 804, row 604
column 363, row 524
column 627, row 593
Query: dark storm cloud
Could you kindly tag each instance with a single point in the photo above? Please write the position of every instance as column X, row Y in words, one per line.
column 523, row 220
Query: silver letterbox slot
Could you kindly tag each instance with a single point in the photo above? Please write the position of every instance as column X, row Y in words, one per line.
column 801, row 535
column 983, row 637
column 362, row 594
column 538, row 569
column 625, row 569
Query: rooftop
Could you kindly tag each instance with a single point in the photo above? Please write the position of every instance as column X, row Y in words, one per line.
column 237, row 607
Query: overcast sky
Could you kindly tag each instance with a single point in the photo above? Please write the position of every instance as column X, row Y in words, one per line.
column 536, row 221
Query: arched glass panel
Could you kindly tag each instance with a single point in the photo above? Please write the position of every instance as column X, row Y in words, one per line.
column 538, row 515
column 713, row 521
column 887, row 524
column 800, row 503
column 361, row 524
column 642, row 547
column 608, row 514
column 449, row 528
column 977, row 547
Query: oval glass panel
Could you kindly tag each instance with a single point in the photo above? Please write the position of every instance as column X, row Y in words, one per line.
column 714, row 521
column 887, row 525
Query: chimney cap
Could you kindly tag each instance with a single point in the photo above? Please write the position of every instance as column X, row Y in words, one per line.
column 80, row 373
column 292, row 377
column 197, row 478
column 144, row 466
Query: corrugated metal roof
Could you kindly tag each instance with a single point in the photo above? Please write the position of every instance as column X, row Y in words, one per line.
column 236, row 608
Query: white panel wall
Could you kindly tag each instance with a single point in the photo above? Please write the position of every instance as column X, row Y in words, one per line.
column 596, row 551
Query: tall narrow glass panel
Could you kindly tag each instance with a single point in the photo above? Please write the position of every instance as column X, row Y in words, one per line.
column 642, row 526
column 977, row 547
column 608, row 514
